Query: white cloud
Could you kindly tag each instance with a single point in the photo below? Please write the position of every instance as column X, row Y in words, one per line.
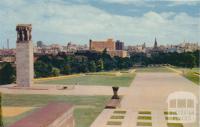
column 184, row 2
column 122, row 1
column 84, row 21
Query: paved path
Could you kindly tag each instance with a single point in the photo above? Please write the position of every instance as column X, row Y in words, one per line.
column 149, row 92
column 72, row 90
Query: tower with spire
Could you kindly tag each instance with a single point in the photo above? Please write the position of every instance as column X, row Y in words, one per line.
column 155, row 44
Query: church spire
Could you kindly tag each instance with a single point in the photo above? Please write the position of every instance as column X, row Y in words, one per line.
column 155, row 43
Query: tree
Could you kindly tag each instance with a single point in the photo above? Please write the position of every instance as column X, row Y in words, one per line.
column 42, row 69
column 7, row 74
column 196, row 54
column 99, row 65
column 66, row 69
column 108, row 61
column 55, row 71
column 189, row 60
column 92, row 66
column 83, row 67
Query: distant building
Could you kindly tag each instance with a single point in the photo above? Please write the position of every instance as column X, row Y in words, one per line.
column 155, row 44
column 71, row 47
column 101, row 45
column 119, row 45
column 136, row 49
column 40, row 44
column 156, row 49
column 113, row 48
column 7, row 52
column 183, row 47
column 120, row 53
column 9, row 59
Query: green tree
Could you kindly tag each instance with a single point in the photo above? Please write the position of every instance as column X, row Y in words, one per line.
column 55, row 71
column 42, row 69
column 92, row 66
column 99, row 65
column 66, row 69
column 190, row 60
column 7, row 74
column 83, row 67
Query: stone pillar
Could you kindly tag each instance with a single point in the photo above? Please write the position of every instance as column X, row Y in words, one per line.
column 24, row 55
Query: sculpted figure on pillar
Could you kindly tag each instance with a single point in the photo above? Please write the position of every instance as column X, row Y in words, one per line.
column 23, row 32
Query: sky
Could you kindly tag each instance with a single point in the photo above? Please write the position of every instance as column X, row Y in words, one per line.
column 131, row 21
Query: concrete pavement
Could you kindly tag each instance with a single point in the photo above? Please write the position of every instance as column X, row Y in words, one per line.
column 71, row 90
column 149, row 92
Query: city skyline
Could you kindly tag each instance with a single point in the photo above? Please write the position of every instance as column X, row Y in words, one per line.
column 131, row 21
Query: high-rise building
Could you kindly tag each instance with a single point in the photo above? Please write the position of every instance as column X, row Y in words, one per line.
column 119, row 45
column 110, row 46
column 101, row 45
column 39, row 44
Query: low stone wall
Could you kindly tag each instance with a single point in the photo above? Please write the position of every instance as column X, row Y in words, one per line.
column 55, row 114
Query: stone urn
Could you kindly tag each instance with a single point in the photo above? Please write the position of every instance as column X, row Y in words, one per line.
column 115, row 94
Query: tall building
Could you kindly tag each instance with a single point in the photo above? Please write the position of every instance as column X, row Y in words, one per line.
column 111, row 47
column 119, row 45
column 101, row 45
column 40, row 44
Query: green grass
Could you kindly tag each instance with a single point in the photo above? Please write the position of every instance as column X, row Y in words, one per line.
column 174, row 124
column 144, row 124
column 109, row 73
column 144, row 112
column 86, row 110
column 123, row 80
column 172, row 118
column 119, row 112
column 114, row 123
column 117, row 117
column 190, row 74
column 194, row 78
column 153, row 69
column 144, row 117
column 170, row 113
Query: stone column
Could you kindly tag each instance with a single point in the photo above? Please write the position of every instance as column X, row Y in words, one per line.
column 24, row 56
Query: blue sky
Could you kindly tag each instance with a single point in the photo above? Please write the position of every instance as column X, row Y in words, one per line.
column 132, row 21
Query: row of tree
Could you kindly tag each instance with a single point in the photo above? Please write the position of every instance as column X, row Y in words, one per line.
column 185, row 59
column 49, row 65
column 78, row 63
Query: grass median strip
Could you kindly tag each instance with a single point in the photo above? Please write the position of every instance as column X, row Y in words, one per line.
column 119, row 112
column 172, row 118
column 144, row 124
column 175, row 125
column 114, row 123
column 144, row 118
column 144, row 112
column 170, row 113
column 117, row 117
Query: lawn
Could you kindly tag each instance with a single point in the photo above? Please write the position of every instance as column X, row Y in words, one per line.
column 191, row 74
column 87, row 108
column 194, row 78
column 152, row 69
column 105, row 79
